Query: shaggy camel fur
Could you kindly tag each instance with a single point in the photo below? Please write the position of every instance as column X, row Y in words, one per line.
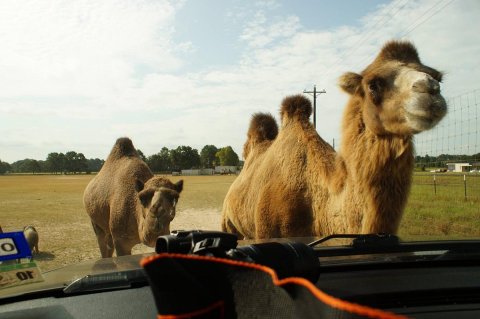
column 294, row 183
column 127, row 204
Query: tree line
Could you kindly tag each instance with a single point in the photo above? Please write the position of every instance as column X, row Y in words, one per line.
column 442, row 160
column 167, row 160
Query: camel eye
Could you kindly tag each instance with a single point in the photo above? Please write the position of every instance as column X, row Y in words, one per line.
column 375, row 88
column 375, row 85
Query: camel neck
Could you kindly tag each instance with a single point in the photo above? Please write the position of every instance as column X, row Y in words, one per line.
column 379, row 169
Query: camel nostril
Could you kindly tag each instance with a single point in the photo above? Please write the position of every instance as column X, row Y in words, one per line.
column 434, row 87
column 420, row 86
column 428, row 85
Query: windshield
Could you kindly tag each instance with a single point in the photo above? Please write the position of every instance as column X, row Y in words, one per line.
column 179, row 82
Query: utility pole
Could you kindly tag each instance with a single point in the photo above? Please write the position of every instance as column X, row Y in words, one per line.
column 314, row 93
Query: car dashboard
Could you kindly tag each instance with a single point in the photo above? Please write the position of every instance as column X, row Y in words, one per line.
column 419, row 286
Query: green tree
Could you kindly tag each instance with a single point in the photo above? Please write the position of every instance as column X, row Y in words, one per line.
column 55, row 162
column 29, row 166
column 75, row 162
column 80, row 163
column 142, row 156
column 184, row 157
column 69, row 161
column 227, row 157
column 94, row 165
column 165, row 159
column 4, row 167
column 160, row 162
column 207, row 156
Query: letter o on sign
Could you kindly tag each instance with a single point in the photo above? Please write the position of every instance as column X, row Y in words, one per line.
column 7, row 247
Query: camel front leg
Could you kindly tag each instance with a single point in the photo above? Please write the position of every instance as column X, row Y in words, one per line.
column 227, row 226
column 123, row 246
column 104, row 241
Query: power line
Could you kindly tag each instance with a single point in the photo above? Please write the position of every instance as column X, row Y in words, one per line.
column 419, row 24
column 314, row 93
column 362, row 61
column 373, row 29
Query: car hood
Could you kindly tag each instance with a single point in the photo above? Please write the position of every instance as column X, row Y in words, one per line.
column 64, row 276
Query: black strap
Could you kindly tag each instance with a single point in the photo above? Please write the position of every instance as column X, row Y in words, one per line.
column 191, row 286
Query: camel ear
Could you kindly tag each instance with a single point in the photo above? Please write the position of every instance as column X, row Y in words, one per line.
column 139, row 185
column 179, row 186
column 145, row 196
column 350, row 82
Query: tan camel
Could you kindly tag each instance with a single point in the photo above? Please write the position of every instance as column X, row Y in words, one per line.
column 127, row 204
column 294, row 183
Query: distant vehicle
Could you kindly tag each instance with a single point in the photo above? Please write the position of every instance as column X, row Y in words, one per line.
column 439, row 170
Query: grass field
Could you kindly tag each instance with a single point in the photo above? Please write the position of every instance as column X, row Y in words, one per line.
column 53, row 204
column 446, row 213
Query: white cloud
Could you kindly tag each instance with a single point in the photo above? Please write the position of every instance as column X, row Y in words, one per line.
column 87, row 48
column 259, row 34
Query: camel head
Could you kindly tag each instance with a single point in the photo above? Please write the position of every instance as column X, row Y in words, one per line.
column 397, row 94
column 158, row 198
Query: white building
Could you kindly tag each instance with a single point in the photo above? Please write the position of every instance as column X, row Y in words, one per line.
column 458, row 167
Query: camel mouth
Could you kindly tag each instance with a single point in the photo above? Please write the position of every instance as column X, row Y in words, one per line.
column 425, row 111
column 156, row 227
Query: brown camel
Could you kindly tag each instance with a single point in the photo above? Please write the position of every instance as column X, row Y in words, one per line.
column 293, row 183
column 127, row 204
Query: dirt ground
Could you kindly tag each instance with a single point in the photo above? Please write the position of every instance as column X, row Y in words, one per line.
column 82, row 245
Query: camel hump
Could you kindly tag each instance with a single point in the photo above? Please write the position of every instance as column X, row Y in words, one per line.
column 403, row 51
column 262, row 128
column 123, row 147
column 296, row 107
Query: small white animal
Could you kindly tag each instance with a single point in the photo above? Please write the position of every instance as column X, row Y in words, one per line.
column 31, row 235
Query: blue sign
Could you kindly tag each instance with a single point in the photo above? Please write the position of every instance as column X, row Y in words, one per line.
column 14, row 246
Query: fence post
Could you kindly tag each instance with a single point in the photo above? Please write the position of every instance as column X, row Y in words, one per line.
column 465, row 185
column 434, row 185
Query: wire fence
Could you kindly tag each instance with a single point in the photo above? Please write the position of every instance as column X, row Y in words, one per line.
column 456, row 139
column 455, row 185
column 448, row 156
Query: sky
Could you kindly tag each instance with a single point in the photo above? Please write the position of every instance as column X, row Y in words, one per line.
column 76, row 75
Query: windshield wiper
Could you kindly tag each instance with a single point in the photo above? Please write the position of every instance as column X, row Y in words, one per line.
column 107, row 281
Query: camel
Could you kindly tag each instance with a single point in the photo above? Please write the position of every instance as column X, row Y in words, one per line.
column 294, row 184
column 127, row 204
